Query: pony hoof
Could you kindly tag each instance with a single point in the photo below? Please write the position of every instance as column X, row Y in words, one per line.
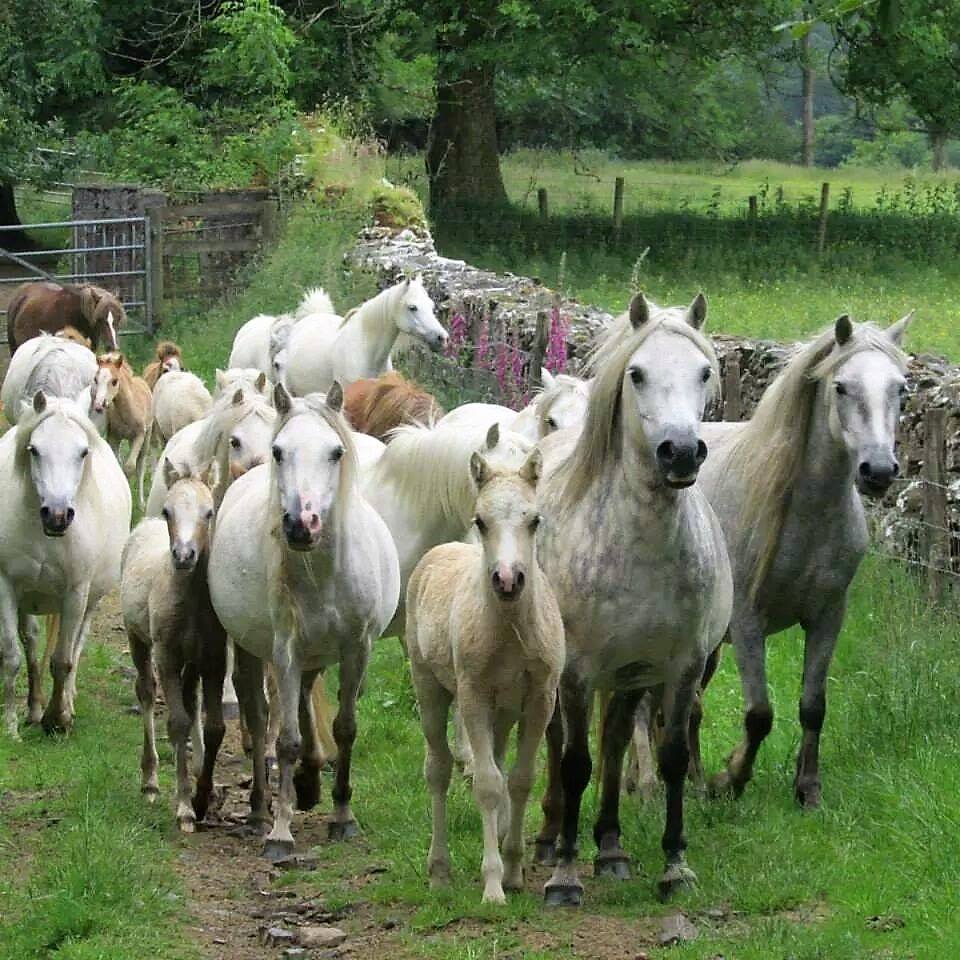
column 200, row 805
column 259, row 826
column 676, row 877
column 545, row 853
column 56, row 724
column 342, row 829
column 808, row 795
column 615, row 864
column 563, row 893
column 722, row 785
column 275, row 850
column 187, row 824
column 497, row 897
column 306, row 781
column 150, row 794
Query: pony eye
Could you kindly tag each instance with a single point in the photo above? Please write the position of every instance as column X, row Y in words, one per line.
column 165, row 513
column 209, row 514
column 235, row 443
column 277, row 454
column 535, row 522
column 636, row 375
column 481, row 526
column 551, row 423
column 84, row 452
column 903, row 389
column 336, row 454
column 841, row 389
column 413, row 308
column 33, row 451
column 705, row 376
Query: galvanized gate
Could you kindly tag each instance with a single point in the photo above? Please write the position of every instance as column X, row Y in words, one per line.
column 112, row 253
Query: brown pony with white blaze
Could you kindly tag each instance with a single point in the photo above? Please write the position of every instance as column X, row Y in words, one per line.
column 128, row 404
column 167, row 615
column 44, row 307
column 167, row 357
column 378, row 406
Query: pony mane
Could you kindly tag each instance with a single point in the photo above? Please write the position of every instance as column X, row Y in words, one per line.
column 30, row 420
column 598, row 445
column 768, row 454
column 381, row 302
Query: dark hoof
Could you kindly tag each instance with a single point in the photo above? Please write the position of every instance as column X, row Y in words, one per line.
column 612, row 864
column 150, row 794
column 200, row 804
column 677, row 877
column 306, row 781
column 342, row 829
column 275, row 850
column 52, row 725
column 545, row 853
column 563, row 893
column 259, row 826
column 722, row 785
column 808, row 795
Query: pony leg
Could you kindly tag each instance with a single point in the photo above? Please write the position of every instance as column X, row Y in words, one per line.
column 63, row 665
column 489, row 786
column 29, row 634
column 821, row 639
column 461, row 744
column 9, row 655
column 552, row 803
column 254, row 706
column 142, row 445
column 279, row 842
column 323, row 716
column 273, row 715
column 695, row 773
column 81, row 642
column 611, row 859
column 342, row 825
column 141, row 655
column 231, row 710
column 674, row 759
column 750, row 650
column 564, row 887
column 212, row 670
column 306, row 780
column 179, row 691
column 641, row 773
column 434, row 700
column 537, row 711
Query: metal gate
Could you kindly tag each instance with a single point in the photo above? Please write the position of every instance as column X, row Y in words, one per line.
column 113, row 253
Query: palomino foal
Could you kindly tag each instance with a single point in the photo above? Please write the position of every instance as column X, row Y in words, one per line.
column 167, row 615
column 483, row 626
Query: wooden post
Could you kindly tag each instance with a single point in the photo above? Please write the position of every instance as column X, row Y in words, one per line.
column 824, row 207
column 268, row 221
column 936, row 523
column 617, row 208
column 155, row 266
column 732, row 400
column 542, row 204
column 538, row 351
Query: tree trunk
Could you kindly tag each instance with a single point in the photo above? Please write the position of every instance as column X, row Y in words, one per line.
column 938, row 143
column 463, row 162
column 15, row 240
column 809, row 132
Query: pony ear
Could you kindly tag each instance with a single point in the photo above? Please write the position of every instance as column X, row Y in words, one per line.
column 238, row 397
column 533, row 468
column 406, row 284
column 897, row 329
column 639, row 311
column 281, row 400
column 843, row 329
column 335, row 396
column 39, row 402
column 211, row 476
column 221, row 378
column 493, row 436
column 547, row 380
column 697, row 311
column 171, row 474
column 479, row 469
column 261, row 383
column 118, row 360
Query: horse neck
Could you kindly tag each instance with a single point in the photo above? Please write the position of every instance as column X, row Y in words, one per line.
column 378, row 329
column 635, row 479
column 827, row 465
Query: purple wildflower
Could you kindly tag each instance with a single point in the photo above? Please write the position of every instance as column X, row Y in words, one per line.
column 556, row 358
column 458, row 335
column 482, row 347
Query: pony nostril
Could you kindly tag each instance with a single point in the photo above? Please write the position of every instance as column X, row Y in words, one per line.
column 865, row 470
column 496, row 579
column 896, row 468
column 45, row 512
column 519, row 581
column 701, row 452
column 666, row 452
column 71, row 513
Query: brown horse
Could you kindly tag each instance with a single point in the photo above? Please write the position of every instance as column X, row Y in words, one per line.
column 168, row 357
column 48, row 307
column 72, row 333
column 376, row 407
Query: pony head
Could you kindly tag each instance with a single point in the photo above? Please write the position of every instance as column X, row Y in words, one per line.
column 864, row 382
column 506, row 521
column 56, row 438
column 106, row 384
column 562, row 403
column 188, row 511
column 104, row 312
column 314, row 465
column 414, row 314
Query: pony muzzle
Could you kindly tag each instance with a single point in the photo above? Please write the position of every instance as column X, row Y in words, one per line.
column 56, row 520
column 876, row 473
column 184, row 556
column 302, row 531
column 680, row 461
column 508, row 581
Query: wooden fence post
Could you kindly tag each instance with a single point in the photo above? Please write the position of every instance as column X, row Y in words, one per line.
column 155, row 266
column 617, row 208
column 824, row 207
column 542, row 204
column 732, row 400
column 538, row 351
column 268, row 221
column 935, row 518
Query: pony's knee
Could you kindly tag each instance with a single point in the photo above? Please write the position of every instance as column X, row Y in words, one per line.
column 288, row 748
column 488, row 787
column 759, row 722
column 812, row 712
column 178, row 726
column 575, row 770
column 344, row 728
column 673, row 758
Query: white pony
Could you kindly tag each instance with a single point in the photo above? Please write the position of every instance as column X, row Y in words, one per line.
column 65, row 519
column 258, row 341
column 226, row 381
column 54, row 365
column 560, row 404
column 303, row 574
column 323, row 347
column 179, row 399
